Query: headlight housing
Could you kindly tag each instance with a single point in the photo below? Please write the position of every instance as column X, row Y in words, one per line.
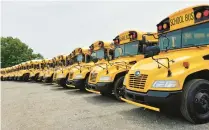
column 165, row 84
column 105, row 78
column 78, row 76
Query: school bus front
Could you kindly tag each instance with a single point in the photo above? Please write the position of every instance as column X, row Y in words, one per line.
column 89, row 58
column 129, row 47
column 179, row 75
column 49, row 70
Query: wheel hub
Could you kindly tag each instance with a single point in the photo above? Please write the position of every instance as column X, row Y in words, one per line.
column 202, row 102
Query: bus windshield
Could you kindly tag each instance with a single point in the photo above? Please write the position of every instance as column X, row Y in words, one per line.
column 99, row 54
column 186, row 37
column 80, row 57
column 127, row 49
column 62, row 62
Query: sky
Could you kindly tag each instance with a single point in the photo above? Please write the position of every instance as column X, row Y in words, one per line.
column 57, row 27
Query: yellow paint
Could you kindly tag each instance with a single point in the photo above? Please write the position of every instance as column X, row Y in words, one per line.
column 141, row 105
column 92, row 91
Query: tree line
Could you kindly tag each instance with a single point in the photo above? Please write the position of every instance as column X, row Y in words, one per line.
column 14, row 51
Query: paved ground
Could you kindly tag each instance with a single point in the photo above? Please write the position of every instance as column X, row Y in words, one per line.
column 35, row 106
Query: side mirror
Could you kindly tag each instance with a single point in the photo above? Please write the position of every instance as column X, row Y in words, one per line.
column 151, row 51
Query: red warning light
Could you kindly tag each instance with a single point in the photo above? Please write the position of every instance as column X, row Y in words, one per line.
column 134, row 35
column 206, row 13
column 160, row 27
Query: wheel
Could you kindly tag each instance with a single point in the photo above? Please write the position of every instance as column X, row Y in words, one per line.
column 26, row 77
column 63, row 82
column 118, row 88
column 195, row 101
column 85, row 84
column 36, row 77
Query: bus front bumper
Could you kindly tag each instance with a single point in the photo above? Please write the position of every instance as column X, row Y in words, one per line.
column 47, row 79
column 154, row 97
column 69, row 83
column 101, row 86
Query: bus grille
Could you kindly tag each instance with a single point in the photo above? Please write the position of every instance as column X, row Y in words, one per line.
column 93, row 77
column 137, row 81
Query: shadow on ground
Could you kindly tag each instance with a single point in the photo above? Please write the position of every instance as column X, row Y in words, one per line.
column 99, row 99
column 149, row 117
column 74, row 91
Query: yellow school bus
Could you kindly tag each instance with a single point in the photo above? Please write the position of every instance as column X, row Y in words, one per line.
column 62, row 72
column 8, row 75
column 27, row 71
column 13, row 72
column 48, row 71
column 17, row 72
column 20, row 73
column 87, row 59
column 3, row 73
column 129, row 48
column 42, row 70
column 34, row 69
column 179, row 75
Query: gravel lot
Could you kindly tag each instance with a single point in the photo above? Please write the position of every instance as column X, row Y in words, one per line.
column 37, row 106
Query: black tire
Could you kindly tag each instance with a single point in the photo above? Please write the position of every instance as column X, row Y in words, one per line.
column 195, row 101
column 63, row 82
column 26, row 77
column 36, row 77
column 85, row 84
column 118, row 86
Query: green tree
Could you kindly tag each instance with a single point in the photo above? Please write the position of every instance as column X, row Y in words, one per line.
column 13, row 52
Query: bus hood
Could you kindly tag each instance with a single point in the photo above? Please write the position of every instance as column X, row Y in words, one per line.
column 176, row 58
column 116, row 66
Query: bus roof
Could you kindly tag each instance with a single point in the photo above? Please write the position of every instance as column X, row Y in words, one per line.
column 183, row 18
column 133, row 35
column 186, row 9
column 126, row 36
column 99, row 44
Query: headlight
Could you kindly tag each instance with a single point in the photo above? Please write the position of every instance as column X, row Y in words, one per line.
column 105, row 78
column 78, row 76
column 165, row 84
